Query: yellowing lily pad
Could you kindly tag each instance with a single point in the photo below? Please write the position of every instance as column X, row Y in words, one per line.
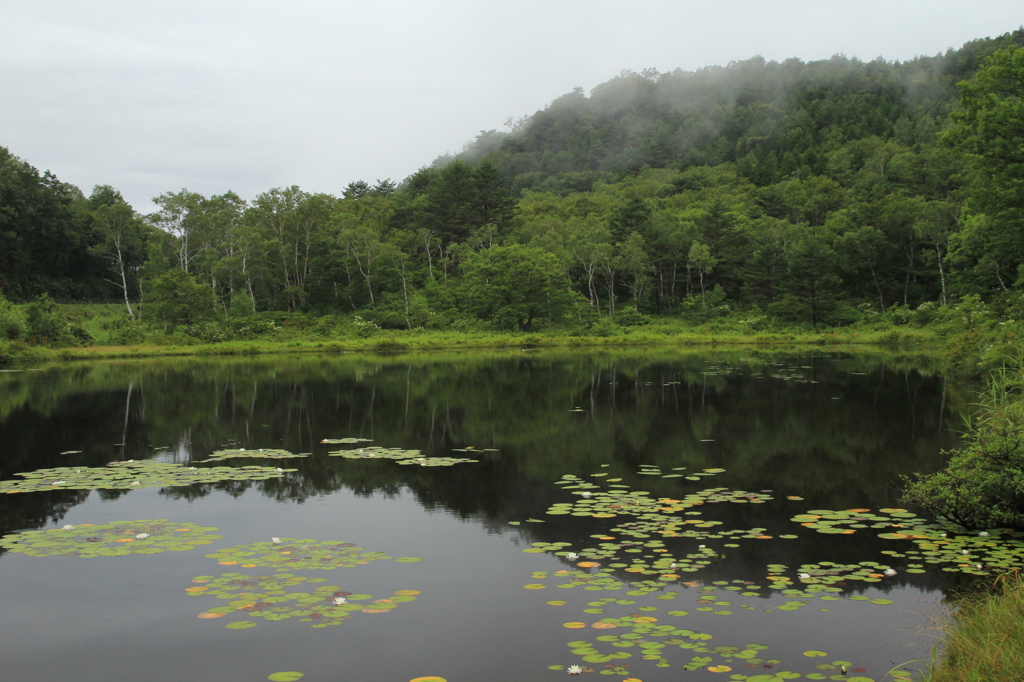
column 285, row 676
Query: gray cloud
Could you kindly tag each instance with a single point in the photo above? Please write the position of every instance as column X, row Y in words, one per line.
column 155, row 96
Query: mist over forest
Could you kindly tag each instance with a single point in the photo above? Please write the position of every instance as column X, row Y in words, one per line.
column 812, row 193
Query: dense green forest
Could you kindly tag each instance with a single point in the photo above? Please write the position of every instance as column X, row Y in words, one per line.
column 806, row 193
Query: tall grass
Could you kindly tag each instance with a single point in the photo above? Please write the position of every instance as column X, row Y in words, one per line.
column 985, row 638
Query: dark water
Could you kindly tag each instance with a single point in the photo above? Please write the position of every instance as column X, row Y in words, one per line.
column 838, row 430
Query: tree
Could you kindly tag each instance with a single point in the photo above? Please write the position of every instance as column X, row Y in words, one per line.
column 634, row 262
column 293, row 220
column 179, row 217
column 178, row 299
column 811, row 285
column 451, row 211
column 513, row 286
column 589, row 242
column 121, row 239
column 494, row 205
column 700, row 257
column 989, row 127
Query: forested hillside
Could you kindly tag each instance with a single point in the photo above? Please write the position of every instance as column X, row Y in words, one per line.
column 807, row 193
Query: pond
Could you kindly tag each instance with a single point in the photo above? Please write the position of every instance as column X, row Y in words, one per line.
column 637, row 514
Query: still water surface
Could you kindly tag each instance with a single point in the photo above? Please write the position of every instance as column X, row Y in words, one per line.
column 835, row 429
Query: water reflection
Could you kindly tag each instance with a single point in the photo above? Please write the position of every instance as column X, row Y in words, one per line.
column 836, row 429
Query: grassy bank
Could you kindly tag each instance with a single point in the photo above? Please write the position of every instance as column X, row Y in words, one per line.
column 985, row 637
column 103, row 333
column 425, row 340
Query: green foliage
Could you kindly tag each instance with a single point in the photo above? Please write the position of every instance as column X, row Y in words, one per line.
column 629, row 317
column 125, row 331
column 47, row 323
column 988, row 127
column 983, row 484
column 514, row 286
column 209, row 331
column 178, row 299
column 813, row 195
column 12, row 324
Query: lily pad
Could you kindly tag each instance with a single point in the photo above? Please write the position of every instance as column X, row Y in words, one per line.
column 118, row 538
column 272, row 598
column 219, row 455
column 286, row 676
column 132, row 474
column 295, row 554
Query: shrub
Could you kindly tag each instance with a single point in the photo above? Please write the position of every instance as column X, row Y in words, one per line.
column 632, row 318
column 125, row 331
column 208, row 332
column 12, row 325
column 47, row 324
column 983, row 484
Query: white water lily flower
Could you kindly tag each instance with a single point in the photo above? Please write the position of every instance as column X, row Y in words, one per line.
column 672, row 565
column 964, row 552
column 276, row 541
column 977, row 566
column 58, row 483
column 338, row 601
column 942, row 535
column 586, row 494
column 983, row 533
column 572, row 556
column 68, row 527
column 890, row 572
column 805, row 576
column 700, row 546
column 136, row 483
column 280, row 470
column 574, row 670
column 141, row 536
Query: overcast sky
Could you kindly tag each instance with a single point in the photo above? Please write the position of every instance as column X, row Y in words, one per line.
column 153, row 96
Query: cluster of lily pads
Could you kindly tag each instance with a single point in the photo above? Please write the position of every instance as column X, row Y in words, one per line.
column 652, row 470
column 272, row 598
column 643, row 635
column 409, row 457
column 117, row 538
column 219, row 455
column 131, row 474
column 300, row 554
column 646, row 634
column 637, row 545
column 992, row 551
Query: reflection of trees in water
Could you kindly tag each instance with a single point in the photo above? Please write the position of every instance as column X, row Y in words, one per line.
column 28, row 511
column 642, row 407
